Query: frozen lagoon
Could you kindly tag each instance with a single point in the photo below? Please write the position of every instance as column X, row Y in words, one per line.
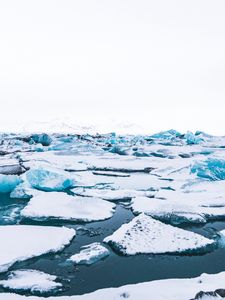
column 170, row 175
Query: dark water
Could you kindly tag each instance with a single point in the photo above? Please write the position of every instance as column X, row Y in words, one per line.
column 115, row 270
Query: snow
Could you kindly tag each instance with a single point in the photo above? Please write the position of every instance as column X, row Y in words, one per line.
column 49, row 179
column 90, row 254
column 31, row 280
column 21, row 242
column 146, row 235
column 65, row 207
column 8, row 183
column 166, row 289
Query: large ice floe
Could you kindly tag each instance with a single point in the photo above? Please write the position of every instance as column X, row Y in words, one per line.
column 90, row 254
column 22, row 242
column 146, row 235
column 31, row 280
column 167, row 289
column 58, row 205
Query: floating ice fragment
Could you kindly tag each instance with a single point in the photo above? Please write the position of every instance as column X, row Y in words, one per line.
column 212, row 168
column 146, row 235
column 65, row 207
column 22, row 242
column 31, row 280
column 90, row 254
column 50, row 179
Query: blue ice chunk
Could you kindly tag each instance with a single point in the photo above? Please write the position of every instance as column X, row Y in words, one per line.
column 213, row 169
column 192, row 139
column 49, row 180
column 9, row 182
column 43, row 139
column 167, row 135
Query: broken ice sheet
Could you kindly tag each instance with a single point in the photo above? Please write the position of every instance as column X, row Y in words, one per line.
column 144, row 235
column 90, row 254
column 32, row 281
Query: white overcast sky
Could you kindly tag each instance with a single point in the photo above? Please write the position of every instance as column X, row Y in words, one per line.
column 157, row 63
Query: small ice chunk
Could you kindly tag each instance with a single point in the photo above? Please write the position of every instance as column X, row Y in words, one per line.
column 146, row 235
column 21, row 242
column 8, row 183
column 66, row 207
column 49, row 179
column 10, row 166
column 90, row 254
column 31, row 280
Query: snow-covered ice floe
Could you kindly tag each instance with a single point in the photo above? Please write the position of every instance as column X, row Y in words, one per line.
column 90, row 254
column 31, row 280
column 148, row 236
column 166, row 289
column 21, row 242
column 58, row 205
column 112, row 174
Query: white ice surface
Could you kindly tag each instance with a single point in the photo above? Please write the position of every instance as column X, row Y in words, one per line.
column 21, row 242
column 146, row 235
column 90, row 254
column 62, row 206
column 31, row 280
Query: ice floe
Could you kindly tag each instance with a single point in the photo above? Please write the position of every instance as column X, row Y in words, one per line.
column 58, row 205
column 22, row 242
column 90, row 254
column 31, row 280
column 146, row 235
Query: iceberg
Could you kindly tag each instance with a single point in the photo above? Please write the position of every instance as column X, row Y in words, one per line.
column 144, row 235
column 21, row 242
column 50, row 179
column 9, row 182
column 90, row 254
column 43, row 139
column 56, row 205
column 32, row 281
